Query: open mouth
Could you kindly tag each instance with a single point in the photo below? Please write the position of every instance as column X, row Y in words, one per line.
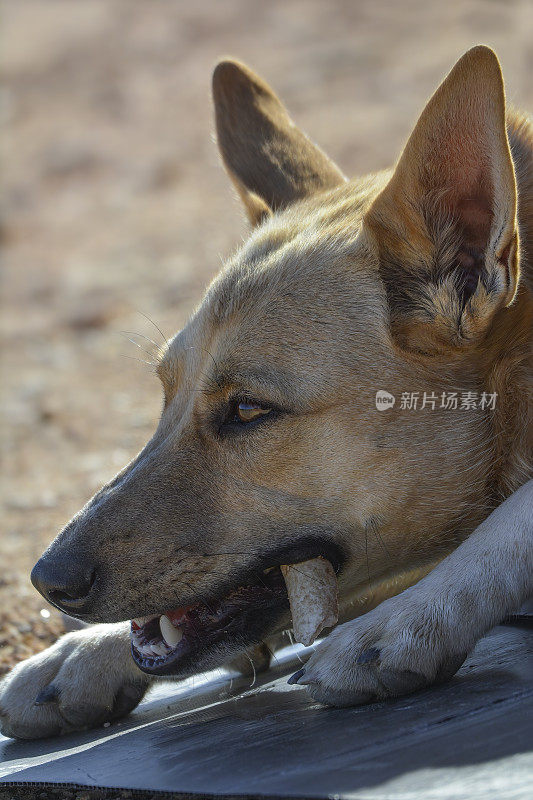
column 173, row 642
column 201, row 636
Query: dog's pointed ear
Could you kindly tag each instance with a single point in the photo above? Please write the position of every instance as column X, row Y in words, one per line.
column 445, row 225
column 270, row 161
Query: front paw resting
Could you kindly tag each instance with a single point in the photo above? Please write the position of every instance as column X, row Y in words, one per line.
column 88, row 677
column 396, row 649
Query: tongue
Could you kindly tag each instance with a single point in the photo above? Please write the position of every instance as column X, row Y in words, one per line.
column 312, row 590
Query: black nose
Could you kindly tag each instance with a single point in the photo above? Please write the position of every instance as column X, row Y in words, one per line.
column 64, row 582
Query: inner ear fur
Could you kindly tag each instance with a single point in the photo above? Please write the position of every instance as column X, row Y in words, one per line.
column 270, row 161
column 445, row 225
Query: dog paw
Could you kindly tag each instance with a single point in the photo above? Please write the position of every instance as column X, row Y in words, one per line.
column 396, row 649
column 86, row 678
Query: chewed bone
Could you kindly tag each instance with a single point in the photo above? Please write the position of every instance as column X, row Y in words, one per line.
column 312, row 590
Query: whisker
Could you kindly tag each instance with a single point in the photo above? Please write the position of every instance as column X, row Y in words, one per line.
column 240, row 553
column 215, row 572
column 148, row 353
column 272, row 653
column 225, row 575
column 313, row 577
column 192, row 347
column 293, row 641
column 158, row 329
column 150, row 363
column 227, row 553
column 253, row 669
column 202, row 599
column 366, row 553
column 201, row 570
column 141, row 335
column 372, row 525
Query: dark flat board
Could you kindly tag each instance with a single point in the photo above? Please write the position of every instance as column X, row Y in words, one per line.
column 470, row 738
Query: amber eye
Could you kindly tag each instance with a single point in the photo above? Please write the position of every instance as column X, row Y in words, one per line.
column 249, row 412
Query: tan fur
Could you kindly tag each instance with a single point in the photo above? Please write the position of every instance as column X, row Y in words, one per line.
column 407, row 280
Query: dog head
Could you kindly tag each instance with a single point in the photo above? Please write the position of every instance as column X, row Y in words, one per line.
column 283, row 435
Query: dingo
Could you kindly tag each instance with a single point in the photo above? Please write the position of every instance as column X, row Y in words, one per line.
column 271, row 448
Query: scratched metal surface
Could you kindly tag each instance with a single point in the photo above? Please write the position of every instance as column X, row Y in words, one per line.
column 472, row 737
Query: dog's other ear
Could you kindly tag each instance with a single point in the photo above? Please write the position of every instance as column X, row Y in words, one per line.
column 270, row 161
column 445, row 225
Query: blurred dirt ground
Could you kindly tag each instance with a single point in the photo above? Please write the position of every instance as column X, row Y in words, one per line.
column 114, row 206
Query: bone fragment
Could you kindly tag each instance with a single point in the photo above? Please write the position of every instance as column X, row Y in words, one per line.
column 312, row 590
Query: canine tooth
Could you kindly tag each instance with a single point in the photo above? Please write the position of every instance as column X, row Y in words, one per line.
column 170, row 634
column 312, row 590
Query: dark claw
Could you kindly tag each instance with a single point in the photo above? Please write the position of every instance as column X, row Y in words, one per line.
column 50, row 694
column 369, row 656
column 296, row 677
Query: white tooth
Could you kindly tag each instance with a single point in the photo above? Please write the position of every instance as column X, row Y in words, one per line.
column 145, row 649
column 170, row 634
column 160, row 649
